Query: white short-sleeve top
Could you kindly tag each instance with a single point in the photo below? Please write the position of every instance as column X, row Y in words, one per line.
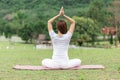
column 60, row 46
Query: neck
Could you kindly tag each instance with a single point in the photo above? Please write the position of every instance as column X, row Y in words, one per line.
column 59, row 33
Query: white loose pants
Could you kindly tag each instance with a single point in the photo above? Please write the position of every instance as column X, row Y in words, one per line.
column 53, row 64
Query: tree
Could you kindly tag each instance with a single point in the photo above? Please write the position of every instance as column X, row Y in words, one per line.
column 35, row 24
column 21, row 16
column 8, row 27
column 15, row 14
column 98, row 12
column 115, row 18
column 87, row 29
column 38, row 27
column 2, row 24
column 25, row 33
column 119, row 34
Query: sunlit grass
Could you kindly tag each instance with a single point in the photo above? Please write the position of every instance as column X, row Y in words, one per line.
column 26, row 54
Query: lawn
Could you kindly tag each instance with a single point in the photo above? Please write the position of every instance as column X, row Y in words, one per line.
column 26, row 54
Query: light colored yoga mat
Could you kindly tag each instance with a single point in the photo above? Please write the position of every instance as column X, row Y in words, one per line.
column 29, row 67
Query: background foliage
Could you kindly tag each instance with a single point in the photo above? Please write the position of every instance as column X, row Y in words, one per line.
column 28, row 18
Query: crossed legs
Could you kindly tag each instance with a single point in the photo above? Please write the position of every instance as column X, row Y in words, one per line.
column 52, row 64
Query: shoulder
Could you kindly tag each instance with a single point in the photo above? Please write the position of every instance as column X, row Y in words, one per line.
column 68, row 34
column 52, row 33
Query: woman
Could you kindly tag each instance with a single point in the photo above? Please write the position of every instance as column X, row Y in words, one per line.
column 60, row 43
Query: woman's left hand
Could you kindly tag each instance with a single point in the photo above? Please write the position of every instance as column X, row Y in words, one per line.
column 61, row 13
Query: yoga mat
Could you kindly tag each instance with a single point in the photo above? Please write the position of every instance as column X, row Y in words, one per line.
column 29, row 67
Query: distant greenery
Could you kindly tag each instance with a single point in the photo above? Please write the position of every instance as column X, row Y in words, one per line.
column 28, row 18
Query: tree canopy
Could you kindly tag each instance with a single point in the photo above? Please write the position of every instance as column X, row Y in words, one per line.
column 28, row 18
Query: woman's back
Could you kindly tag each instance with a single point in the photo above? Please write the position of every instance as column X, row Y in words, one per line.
column 60, row 46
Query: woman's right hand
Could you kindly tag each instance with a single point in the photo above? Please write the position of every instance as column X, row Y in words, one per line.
column 61, row 13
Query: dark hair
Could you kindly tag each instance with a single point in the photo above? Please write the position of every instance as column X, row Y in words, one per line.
column 62, row 26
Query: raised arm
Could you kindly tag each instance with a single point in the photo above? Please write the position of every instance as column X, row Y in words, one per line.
column 50, row 27
column 72, row 21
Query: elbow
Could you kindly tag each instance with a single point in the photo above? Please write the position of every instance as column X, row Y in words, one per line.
column 49, row 21
column 73, row 21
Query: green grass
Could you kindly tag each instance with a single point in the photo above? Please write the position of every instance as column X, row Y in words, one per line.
column 26, row 54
